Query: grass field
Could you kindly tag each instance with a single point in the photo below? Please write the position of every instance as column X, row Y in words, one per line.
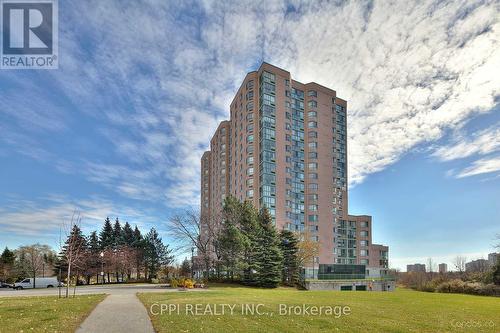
column 45, row 313
column 399, row 311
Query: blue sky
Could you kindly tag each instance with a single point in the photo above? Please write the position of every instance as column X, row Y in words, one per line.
column 119, row 128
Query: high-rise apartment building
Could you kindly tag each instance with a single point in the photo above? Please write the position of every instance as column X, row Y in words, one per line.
column 285, row 148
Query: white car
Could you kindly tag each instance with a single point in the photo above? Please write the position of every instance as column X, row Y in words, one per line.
column 40, row 282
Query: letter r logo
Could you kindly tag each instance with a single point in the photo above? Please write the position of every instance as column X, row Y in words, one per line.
column 27, row 27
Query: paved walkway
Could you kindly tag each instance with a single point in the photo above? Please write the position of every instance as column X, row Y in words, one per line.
column 118, row 313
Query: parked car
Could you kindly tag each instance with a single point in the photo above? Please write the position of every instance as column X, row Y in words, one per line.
column 5, row 285
column 40, row 282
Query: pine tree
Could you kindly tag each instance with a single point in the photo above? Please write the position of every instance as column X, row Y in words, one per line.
column 106, row 235
column 156, row 254
column 8, row 257
column 137, row 237
column 127, row 235
column 186, row 268
column 269, row 258
column 289, row 248
column 138, row 246
column 117, row 234
column 7, row 260
column 94, row 259
column 231, row 247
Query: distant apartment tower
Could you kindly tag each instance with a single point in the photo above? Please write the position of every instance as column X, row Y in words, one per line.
column 443, row 268
column 415, row 268
column 492, row 258
column 285, row 148
column 478, row 265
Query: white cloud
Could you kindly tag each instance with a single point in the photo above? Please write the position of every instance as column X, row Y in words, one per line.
column 485, row 165
column 158, row 76
column 480, row 143
column 48, row 217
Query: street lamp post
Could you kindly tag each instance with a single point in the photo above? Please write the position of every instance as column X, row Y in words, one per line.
column 102, row 268
column 192, row 262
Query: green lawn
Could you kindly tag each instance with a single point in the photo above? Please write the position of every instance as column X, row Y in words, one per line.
column 45, row 313
column 399, row 311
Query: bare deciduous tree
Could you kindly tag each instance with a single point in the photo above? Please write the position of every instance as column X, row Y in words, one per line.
column 308, row 249
column 191, row 229
column 431, row 265
column 459, row 263
column 74, row 249
column 34, row 258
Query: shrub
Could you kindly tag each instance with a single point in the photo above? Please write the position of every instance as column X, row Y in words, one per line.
column 186, row 283
column 472, row 288
column 174, row 283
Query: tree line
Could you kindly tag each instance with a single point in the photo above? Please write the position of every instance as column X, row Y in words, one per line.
column 119, row 251
column 242, row 244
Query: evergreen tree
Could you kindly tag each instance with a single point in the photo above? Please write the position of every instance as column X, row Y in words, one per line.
column 231, row 247
column 289, row 248
column 269, row 258
column 186, row 268
column 7, row 260
column 117, row 234
column 74, row 250
column 94, row 259
column 127, row 235
column 93, row 243
column 137, row 238
column 8, row 257
column 156, row 254
column 106, row 235
column 138, row 246
column 250, row 227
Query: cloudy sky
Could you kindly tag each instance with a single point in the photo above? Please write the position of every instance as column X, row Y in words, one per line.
column 119, row 128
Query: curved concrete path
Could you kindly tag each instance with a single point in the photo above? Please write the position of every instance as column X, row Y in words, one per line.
column 118, row 313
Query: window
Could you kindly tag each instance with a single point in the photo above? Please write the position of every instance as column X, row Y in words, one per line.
column 312, row 186
column 250, row 160
column 312, row 218
column 364, row 262
column 312, row 104
column 364, row 233
column 364, row 224
column 312, row 124
column 312, row 114
column 363, row 243
column 312, row 166
column 250, row 193
column 249, row 149
column 250, row 182
column 312, row 93
column 312, row 197
column 250, row 128
column 313, row 176
column 250, row 171
column 250, row 84
column 363, row 253
column 312, row 134
column 250, row 138
column 313, row 207
column 249, row 106
column 313, row 155
column 312, row 145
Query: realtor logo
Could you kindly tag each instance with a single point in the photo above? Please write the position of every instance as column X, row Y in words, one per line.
column 29, row 34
